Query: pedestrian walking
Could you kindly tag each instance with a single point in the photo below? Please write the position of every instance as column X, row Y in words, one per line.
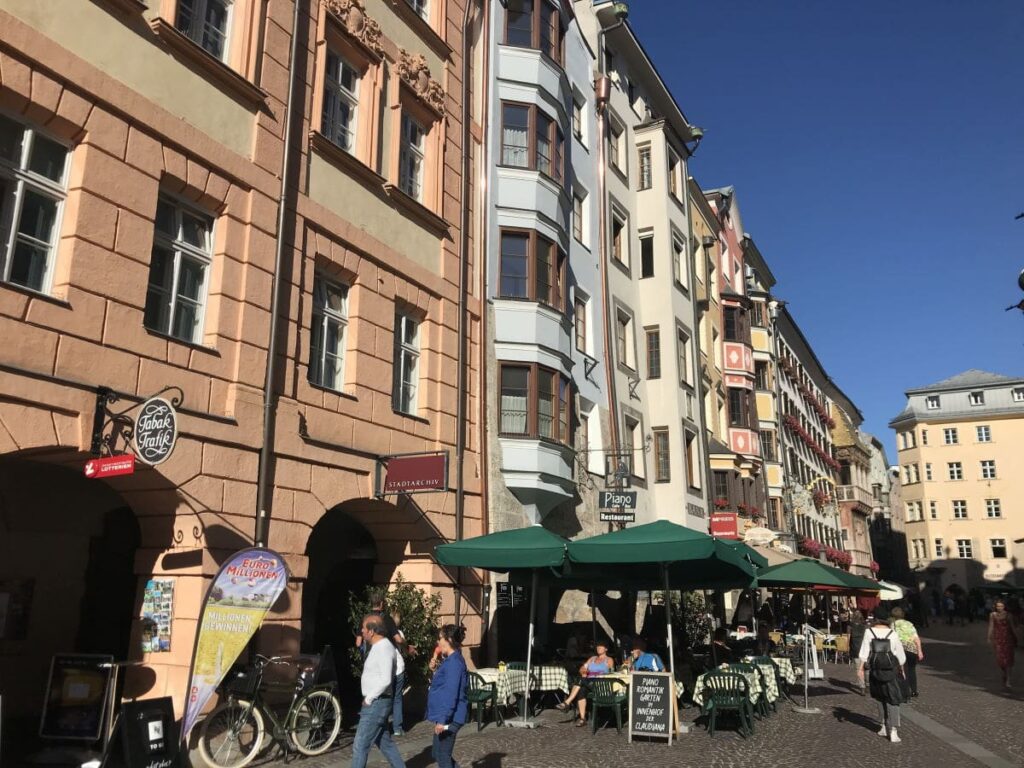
column 397, row 639
column 882, row 653
column 950, row 606
column 1003, row 634
column 447, row 705
column 911, row 641
column 377, row 683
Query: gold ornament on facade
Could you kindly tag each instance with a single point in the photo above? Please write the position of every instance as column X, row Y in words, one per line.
column 415, row 73
column 353, row 18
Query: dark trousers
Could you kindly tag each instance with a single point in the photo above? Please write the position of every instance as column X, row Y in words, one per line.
column 444, row 744
column 911, row 669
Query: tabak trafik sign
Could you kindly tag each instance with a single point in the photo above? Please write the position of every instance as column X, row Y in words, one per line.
column 156, row 431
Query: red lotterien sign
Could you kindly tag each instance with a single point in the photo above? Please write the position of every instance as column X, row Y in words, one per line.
column 724, row 525
column 411, row 474
column 110, row 466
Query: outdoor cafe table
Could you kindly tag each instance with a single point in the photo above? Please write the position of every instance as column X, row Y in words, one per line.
column 512, row 681
column 771, row 684
column 753, row 679
column 785, row 668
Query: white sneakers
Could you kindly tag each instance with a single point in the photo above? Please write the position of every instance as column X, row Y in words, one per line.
column 882, row 732
column 893, row 737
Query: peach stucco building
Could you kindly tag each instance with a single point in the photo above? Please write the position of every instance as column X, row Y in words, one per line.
column 141, row 162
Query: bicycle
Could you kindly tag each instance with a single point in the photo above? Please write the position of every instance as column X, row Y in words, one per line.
column 232, row 734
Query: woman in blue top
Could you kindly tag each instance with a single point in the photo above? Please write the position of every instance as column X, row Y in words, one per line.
column 447, row 706
column 599, row 664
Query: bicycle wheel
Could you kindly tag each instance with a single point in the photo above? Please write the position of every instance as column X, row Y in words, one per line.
column 231, row 735
column 314, row 722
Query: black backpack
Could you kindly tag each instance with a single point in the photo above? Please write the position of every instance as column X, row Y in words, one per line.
column 882, row 663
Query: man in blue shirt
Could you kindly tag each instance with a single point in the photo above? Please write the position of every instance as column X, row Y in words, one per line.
column 642, row 661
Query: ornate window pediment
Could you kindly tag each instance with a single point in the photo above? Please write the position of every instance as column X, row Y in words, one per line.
column 358, row 25
column 414, row 72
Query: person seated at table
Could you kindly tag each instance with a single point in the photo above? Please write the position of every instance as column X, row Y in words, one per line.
column 721, row 653
column 598, row 664
column 642, row 661
column 764, row 646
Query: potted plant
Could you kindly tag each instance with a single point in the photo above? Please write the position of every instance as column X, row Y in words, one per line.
column 721, row 503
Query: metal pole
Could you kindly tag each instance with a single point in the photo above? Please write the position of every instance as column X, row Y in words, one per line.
column 806, row 709
column 593, row 617
column 525, row 722
column 668, row 620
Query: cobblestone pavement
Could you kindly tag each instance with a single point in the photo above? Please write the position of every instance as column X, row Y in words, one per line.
column 959, row 690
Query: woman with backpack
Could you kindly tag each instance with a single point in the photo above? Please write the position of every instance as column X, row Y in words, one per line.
column 882, row 653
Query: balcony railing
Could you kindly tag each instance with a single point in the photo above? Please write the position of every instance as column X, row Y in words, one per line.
column 855, row 493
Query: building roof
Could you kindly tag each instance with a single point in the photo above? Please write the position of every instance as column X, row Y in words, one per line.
column 718, row 448
column 969, row 379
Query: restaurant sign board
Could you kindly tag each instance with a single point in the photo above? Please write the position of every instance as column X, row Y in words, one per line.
column 651, row 705
column 617, row 499
column 617, row 517
column 724, row 525
column 412, row 473
column 156, row 431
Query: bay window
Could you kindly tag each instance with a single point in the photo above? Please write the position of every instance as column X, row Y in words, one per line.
column 534, row 24
column 535, row 402
column 532, row 139
column 532, row 267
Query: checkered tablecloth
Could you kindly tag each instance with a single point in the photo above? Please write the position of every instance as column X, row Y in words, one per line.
column 771, row 690
column 785, row 668
column 512, row 681
column 753, row 680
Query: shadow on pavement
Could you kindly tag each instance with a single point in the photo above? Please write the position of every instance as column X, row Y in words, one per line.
column 844, row 715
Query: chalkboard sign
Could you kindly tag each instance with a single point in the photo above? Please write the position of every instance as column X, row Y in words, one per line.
column 148, row 735
column 510, row 595
column 651, row 705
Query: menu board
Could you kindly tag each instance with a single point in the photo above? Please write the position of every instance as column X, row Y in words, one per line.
column 76, row 696
column 651, row 705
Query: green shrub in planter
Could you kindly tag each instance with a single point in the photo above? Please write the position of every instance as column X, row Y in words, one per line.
column 419, row 623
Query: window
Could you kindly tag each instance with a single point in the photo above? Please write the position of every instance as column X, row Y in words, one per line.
column 653, row 353
column 693, row 462
column 956, row 470
column 732, row 321
column 977, row 398
column 679, row 260
column 938, row 549
column 1018, row 395
column 964, row 550
column 534, row 24
column 737, row 407
column 341, row 100
column 768, row 445
column 532, row 267
column 959, row 509
column 662, row 463
column 674, row 183
column 932, row 402
column 984, row 434
column 631, row 440
column 927, row 471
column 580, row 323
column 410, row 158
column 998, row 548
column 915, row 476
column 993, row 508
column 534, row 403
column 757, row 314
column 545, row 152
column 933, row 510
column 913, row 511
column 577, row 217
column 988, row 469
column 615, row 142
column 683, row 350
column 924, row 437
column 177, row 271
column 327, row 334
column 421, row 8
column 950, row 436
column 515, row 135
column 919, row 549
column 620, row 236
column 205, row 23
column 32, row 191
column 647, row 256
column 624, row 339
column 721, row 482
column 645, row 167
column 544, row 127
column 577, row 119
column 407, row 360
column 761, row 374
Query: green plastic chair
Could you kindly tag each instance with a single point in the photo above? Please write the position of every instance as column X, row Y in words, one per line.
column 478, row 694
column 779, row 682
column 761, row 705
column 726, row 691
column 606, row 694
column 530, row 686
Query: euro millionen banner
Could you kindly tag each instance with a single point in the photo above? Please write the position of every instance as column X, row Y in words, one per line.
column 236, row 603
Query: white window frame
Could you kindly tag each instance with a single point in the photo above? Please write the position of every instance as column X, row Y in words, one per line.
column 618, row 215
column 684, row 342
column 421, row 8
column 411, row 184
column 984, row 433
column 645, row 167
column 932, row 402
column 182, row 249
column 1002, row 544
column 933, row 510
column 333, row 87
column 579, row 119
column 951, row 436
column 22, row 179
column 680, row 259
column 955, row 468
column 964, row 549
column 976, row 398
column 993, row 509
column 406, row 365
column 938, row 549
column 959, row 509
column 1018, row 394
column 325, row 317
column 199, row 13
column 928, row 470
column 988, row 469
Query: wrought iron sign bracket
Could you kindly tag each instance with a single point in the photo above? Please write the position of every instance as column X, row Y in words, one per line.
column 110, row 426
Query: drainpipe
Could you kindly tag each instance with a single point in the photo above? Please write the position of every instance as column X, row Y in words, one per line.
column 602, row 88
column 263, row 491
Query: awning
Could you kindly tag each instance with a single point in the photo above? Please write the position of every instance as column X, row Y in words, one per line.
column 810, row 575
column 521, row 548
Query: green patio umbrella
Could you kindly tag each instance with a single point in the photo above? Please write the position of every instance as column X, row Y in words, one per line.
column 521, row 549
column 802, row 575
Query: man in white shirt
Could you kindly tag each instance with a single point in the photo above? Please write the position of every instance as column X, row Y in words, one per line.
column 377, row 683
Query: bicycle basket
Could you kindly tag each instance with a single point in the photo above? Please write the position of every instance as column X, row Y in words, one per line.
column 241, row 681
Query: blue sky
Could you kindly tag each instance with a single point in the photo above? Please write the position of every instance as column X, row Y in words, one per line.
column 877, row 149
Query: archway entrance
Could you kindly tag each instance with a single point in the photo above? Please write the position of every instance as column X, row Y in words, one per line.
column 342, row 556
column 67, row 579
